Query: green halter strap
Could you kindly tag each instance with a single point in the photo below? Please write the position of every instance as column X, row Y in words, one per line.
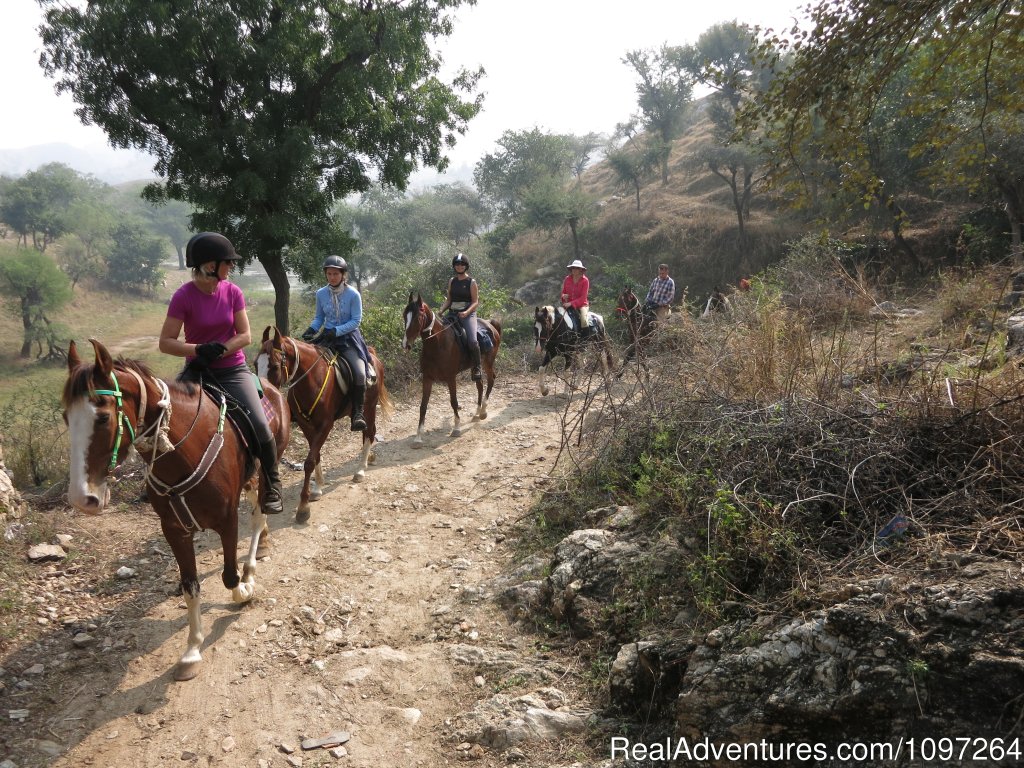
column 122, row 420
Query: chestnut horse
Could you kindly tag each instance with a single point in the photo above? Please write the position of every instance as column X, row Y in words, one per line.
column 196, row 468
column 316, row 401
column 640, row 322
column 443, row 356
column 554, row 336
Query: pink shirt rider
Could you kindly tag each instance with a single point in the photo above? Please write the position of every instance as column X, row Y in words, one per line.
column 209, row 317
column 577, row 290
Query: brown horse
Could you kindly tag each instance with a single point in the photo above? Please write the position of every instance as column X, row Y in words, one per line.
column 316, row 401
column 196, row 468
column 443, row 356
column 640, row 322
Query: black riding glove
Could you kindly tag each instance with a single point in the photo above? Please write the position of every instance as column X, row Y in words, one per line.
column 328, row 334
column 309, row 334
column 197, row 365
column 210, row 351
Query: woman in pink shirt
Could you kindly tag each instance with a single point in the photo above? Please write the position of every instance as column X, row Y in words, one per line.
column 212, row 312
column 575, row 290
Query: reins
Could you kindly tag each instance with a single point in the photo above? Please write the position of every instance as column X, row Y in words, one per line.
column 289, row 385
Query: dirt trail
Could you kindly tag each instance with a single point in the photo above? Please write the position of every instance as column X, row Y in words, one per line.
column 356, row 613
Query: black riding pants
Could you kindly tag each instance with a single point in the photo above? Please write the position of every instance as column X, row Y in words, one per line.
column 238, row 382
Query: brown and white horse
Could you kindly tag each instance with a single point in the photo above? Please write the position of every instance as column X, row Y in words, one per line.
column 196, row 468
column 316, row 401
column 442, row 357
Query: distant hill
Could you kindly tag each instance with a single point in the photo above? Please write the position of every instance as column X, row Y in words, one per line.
column 113, row 166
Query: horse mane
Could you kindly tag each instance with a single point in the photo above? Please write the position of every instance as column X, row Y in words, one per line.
column 80, row 380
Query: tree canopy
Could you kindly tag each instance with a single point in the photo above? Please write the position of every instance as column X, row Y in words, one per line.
column 263, row 114
column 33, row 281
column 958, row 65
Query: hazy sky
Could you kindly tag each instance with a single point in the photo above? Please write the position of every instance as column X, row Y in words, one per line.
column 555, row 64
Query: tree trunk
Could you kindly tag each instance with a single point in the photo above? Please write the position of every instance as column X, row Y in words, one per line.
column 271, row 261
column 181, row 256
column 26, row 321
column 637, row 185
column 898, row 215
column 575, row 237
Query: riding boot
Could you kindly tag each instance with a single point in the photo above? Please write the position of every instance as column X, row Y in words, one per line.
column 358, row 394
column 272, row 504
column 474, row 353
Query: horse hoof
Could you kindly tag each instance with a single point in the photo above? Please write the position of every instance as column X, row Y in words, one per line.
column 371, row 459
column 262, row 551
column 315, row 495
column 358, row 477
column 417, row 443
column 302, row 515
column 186, row 670
column 456, row 432
column 544, row 392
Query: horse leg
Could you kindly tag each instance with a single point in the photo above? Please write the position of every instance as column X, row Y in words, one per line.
column 183, row 548
column 316, row 488
column 481, row 404
column 543, row 372
column 452, row 396
column 241, row 592
column 428, row 385
column 257, row 543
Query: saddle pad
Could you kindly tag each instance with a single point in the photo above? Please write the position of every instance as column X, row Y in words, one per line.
column 268, row 408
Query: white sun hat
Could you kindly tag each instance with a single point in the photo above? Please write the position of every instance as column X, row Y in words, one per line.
column 576, row 263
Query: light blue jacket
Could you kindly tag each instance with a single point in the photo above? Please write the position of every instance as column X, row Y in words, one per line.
column 350, row 304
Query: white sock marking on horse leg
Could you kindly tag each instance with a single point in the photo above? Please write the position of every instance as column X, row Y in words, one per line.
column 361, row 473
column 195, row 630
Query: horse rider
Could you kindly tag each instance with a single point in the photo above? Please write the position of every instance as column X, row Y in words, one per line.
column 575, row 291
column 339, row 310
column 211, row 309
column 460, row 301
column 661, row 293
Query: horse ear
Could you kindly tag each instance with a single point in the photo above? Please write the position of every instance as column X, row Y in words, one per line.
column 73, row 359
column 266, row 332
column 419, row 297
column 104, row 363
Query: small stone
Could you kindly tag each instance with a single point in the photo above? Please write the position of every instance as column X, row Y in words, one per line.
column 35, row 669
column 337, row 752
column 82, row 640
column 479, row 681
column 188, row 757
column 287, row 748
column 124, row 572
column 42, row 553
column 228, row 744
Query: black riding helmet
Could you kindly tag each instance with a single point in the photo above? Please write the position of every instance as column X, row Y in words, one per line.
column 209, row 246
column 335, row 261
column 460, row 259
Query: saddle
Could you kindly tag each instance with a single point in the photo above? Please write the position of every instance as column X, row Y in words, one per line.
column 343, row 371
column 484, row 335
column 238, row 417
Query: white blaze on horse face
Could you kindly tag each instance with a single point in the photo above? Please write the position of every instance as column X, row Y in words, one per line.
column 81, row 493
column 262, row 365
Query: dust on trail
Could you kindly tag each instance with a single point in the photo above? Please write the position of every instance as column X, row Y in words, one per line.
column 356, row 613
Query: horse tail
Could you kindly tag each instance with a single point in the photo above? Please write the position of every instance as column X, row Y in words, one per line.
column 383, row 398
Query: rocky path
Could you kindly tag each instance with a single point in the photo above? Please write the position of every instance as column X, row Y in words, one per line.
column 373, row 619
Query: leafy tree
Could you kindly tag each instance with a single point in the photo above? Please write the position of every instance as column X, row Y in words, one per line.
column 262, row 114
column 38, row 203
column 964, row 60
column 525, row 158
column 134, row 260
column 548, row 204
column 723, row 59
column 451, row 213
column 37, row 286
column 634, row 159
column 78, row 261
column 664, row 89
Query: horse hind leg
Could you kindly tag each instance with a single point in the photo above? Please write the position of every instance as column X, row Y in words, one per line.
column 428, row 385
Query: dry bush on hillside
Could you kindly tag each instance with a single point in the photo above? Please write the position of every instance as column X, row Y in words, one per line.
column 776, row 452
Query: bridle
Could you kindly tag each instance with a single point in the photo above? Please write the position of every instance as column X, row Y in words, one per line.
column 427, row 332
column 122, row 418
column 293, row 378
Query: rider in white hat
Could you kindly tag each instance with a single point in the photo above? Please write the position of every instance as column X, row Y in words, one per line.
column 575, row 290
